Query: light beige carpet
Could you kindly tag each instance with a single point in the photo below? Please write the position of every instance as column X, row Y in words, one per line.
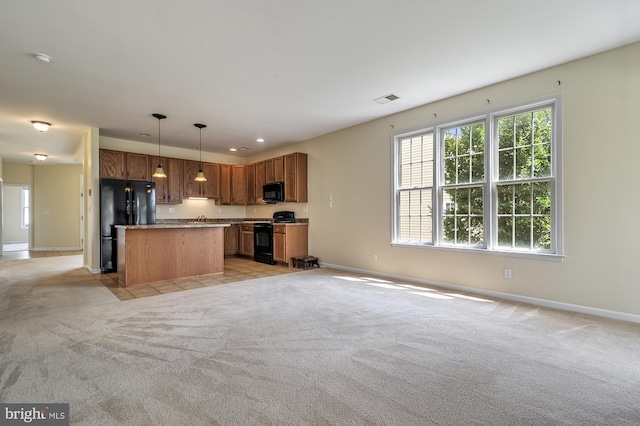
column 318, row 347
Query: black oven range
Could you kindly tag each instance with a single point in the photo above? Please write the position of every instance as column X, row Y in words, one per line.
column 263, row 236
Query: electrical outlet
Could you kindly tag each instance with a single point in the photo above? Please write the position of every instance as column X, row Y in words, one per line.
column 171, row 210
column 507, row 273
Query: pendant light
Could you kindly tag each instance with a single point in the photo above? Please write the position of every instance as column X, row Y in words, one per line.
column 200, row 176
column 159, row 173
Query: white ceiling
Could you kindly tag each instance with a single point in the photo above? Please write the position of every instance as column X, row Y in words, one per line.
column 284, row 70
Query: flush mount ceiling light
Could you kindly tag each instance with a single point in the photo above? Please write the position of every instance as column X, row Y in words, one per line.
column 41, row 157
column 159, row 173
column 42, row 57
column 233, row 149
column 384, row 99
column 200, row 176
column 41, row 126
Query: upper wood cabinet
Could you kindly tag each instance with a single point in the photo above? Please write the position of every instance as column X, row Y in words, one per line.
column 238, row 185
column 191, row 188
column 113, row 164
column 124, row 165
column 225, row 184
column 274, row 170
column 208, row 189
column 295, row 178
column 269, row 175
column 169, row 189
column 250, row 170
column 138, row 166
column 211, row 188
column 260, row 181
column 278, row 169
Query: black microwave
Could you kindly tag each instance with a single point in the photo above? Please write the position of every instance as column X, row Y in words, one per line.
column 273, row 192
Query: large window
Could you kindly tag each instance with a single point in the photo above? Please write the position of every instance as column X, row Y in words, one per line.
column 488, row 183
column 24, row 198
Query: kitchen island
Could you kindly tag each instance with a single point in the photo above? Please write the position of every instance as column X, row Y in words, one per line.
column 149, row 253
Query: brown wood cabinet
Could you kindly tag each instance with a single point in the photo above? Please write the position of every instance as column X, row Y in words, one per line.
column 191, row 188
column 260, row 181
column 211, row 188
column 290, row 241
column 113, row 164
column 169, row 189
column 245, row 241
column 295, row 178
column 278, row 169
column 250, row 170
column 231, row 235
column 238, row 185
column 225, row 184
column 138, row 167
column 208, row 189
column 269, row 175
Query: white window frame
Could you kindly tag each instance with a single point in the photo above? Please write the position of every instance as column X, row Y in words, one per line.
column 25, row 207
column 556, row 253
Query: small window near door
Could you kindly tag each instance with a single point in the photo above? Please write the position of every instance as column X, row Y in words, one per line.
column 25, row 207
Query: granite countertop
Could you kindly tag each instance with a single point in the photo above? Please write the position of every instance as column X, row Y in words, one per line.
column 175, row 225
column 227, row 221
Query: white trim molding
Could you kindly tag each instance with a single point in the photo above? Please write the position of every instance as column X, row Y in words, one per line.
column 546, row 303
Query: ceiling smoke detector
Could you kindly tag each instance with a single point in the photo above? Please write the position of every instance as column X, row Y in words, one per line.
column 387, row 98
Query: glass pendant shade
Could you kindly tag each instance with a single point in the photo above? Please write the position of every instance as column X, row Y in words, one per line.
column 200, row 176
column 159, row 173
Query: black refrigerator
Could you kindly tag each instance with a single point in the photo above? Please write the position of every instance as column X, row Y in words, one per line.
column 122, row 202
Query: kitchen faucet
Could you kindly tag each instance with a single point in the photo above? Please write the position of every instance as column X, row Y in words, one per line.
column 202, row 218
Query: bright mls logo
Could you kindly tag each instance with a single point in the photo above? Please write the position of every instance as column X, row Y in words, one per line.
column 36, row 414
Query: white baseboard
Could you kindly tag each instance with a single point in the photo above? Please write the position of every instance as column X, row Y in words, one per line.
column 93, row 271
column 621, row 316
column 56, row 249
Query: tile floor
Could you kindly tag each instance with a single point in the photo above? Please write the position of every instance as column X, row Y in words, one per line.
column 235, row 269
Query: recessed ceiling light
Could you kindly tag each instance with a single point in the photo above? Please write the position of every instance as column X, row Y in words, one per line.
column 233, row 149
column 41, row 157
column 145, row 135
column 42, row 57
column 260, row 140
column 41, row 126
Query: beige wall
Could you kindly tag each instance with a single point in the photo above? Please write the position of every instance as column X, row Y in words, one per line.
column 55, row 203
column 601, row 104
column 56, row 207
column 21, row 174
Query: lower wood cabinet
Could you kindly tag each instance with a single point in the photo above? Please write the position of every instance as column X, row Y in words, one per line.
column 231, row 240
column 245, row 240
column 290, row 241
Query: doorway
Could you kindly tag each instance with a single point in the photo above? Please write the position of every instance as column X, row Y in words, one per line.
column 16, row 217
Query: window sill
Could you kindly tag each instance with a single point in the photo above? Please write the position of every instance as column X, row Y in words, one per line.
column 548, row 257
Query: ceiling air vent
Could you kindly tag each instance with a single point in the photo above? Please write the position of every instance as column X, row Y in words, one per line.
column 384, row 99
